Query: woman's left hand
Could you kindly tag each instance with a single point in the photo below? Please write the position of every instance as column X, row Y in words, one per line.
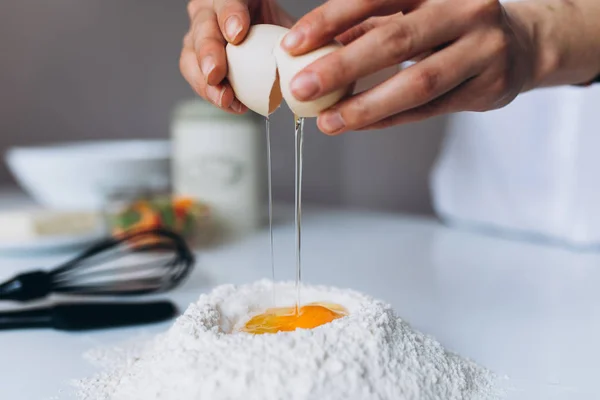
column 475, row 55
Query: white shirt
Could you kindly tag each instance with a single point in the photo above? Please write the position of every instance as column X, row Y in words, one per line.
column 531, row 168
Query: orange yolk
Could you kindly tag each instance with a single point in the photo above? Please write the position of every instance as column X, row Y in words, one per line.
column 286, row 319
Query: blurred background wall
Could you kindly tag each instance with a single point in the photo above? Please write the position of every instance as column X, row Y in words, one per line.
column 98, row 69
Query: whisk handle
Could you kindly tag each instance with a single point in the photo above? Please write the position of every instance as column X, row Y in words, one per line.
column 37, row 318
column 81, row 317
column 26, row 287
column 88, row 316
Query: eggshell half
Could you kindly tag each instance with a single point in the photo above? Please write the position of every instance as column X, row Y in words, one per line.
column 252, row 69
column 289, row 66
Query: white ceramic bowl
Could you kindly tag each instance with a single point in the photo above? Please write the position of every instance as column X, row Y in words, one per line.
column 79, row 175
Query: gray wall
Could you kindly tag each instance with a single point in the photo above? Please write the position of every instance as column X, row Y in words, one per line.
column 92, row 69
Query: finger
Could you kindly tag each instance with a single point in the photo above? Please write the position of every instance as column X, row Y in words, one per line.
column 398, row 40
column 209, row 45
column 234, row 19
column 237, row 107
column 488, row 91
column 360, row 30
column 196, row 5
column 477, row 94
column 412, row 87
column 456, row 100
column 324, row 23
column 220, row 95
column 269, row 10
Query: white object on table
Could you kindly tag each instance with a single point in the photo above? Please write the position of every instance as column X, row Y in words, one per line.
column 529, row 169
column 33, row 224
column 521, row 309
column 79, row 175
column 219, row 159
column 25, row 228
column 50, row 244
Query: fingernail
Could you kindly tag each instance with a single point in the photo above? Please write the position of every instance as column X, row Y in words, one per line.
column 233, row 27
column 236, row 106
column 293, row 39
column 207, row 66
column 332, row 121
column 215, row 95
column 305, row 85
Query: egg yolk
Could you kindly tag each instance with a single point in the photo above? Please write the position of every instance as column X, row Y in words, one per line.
column 286, row 319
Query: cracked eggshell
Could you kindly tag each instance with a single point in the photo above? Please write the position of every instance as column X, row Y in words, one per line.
column 289, row 66
column 252, row 69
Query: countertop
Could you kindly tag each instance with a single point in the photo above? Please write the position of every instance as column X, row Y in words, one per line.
column 522, row 309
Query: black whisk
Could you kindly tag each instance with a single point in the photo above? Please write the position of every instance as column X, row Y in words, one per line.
column 138, row 263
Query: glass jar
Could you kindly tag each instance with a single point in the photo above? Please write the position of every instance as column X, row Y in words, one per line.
column 220, row 159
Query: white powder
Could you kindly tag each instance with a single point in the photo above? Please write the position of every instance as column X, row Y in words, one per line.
column 369, row 355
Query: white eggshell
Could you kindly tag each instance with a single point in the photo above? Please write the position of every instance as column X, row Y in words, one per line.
column 289, row 66
column 252, row 69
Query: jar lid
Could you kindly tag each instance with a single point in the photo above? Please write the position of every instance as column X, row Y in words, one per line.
column 201, row 109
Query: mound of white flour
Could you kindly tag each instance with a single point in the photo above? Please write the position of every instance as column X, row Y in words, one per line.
column 371, row 354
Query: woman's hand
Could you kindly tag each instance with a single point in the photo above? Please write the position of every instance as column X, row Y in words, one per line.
column 213, row 23
column 474, row 55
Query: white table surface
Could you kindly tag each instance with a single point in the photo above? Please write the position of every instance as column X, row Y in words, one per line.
column 522, row 309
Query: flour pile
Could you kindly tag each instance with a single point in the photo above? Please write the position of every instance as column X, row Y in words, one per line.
column 369, row 355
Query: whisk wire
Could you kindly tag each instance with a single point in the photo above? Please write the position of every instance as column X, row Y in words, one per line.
column 96, row 272
column 154, row 265
column 125, row 279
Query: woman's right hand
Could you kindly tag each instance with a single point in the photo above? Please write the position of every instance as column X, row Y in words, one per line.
column 214, row 23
